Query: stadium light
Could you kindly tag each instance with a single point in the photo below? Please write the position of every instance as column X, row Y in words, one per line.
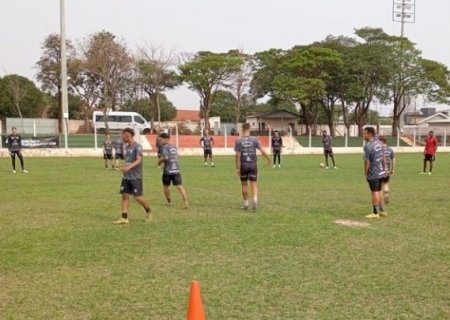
column 404, row 11
column 64, row 91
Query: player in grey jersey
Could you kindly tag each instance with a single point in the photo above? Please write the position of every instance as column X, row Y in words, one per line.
column 327, row 142
column 246, row 166
column 14, row 142
column 171, row 170
column 118, row 153
column 108, row 151
column 207, row 143
column 132, row 177
column 375, row 170
column 390, row 169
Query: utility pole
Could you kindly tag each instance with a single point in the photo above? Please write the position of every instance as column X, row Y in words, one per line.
column 64, row 91
column 403, row 11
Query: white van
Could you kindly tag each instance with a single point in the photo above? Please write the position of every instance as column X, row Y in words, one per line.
column 119, row 120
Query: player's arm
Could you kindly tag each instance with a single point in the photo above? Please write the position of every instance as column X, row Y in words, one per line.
column 265, row 154
column 212, row 142
column 366, row 167
column 164, row 158
column 201, row 142
column 435, row 145
column 392, row 165
column 132, row 165
column 238, row 162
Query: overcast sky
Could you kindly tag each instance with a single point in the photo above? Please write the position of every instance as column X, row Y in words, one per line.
column 193, row 25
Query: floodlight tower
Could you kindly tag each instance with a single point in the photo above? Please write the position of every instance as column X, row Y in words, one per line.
column 403, row 11
column 64, row 91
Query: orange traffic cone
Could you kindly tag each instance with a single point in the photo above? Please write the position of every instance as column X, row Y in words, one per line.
column 195, row 308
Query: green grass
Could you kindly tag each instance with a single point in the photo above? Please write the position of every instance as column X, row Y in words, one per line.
column 316, row 141
column 61, row 258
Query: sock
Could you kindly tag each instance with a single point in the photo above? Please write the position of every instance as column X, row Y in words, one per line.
column 245, row 203
column 148, row 210
column 255, row 202
column 376, row 209
column 124, row 215
column 381, row 208
column 169, row 200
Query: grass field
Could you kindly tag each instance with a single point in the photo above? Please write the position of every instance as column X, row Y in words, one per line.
column 61, row 258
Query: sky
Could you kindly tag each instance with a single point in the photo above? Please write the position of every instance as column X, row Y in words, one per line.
column 194, row 25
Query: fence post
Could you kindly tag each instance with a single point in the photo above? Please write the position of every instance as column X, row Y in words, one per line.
column 445, row 139
column 414, row 138
column 95, row 137
column 310, row 137
column 270, row 139
column 346, row 132
column 398, row 137
column 34, row 128
column 176, row 136
column 226, row 136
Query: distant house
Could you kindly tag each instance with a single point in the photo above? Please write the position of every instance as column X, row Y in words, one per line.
column 435, row 118
column 187, row 116
column 193, row 121
column 280, row 120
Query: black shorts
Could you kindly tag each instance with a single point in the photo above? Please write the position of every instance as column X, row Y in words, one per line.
column 133, row 187
column 276, row 152
column 386, row 179
column 328, row 152
column 207, row 152
column 107, row 156
column 429, row 157
column 375, row 185
column 17, row 152
column 249, row 171
column 174, row 179
column 118, row 156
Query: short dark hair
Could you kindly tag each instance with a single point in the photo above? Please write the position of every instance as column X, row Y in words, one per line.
column 370, row 130
column 164, row 136
column 129, row 130
column 432, row 132
column 246, row 126
column 13, row 128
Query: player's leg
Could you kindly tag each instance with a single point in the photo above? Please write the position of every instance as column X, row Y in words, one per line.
column 183, row 194
column 126, row 189
column 205, row 157
column 424, row 165
column 244, row 185
column 138, row 193
column 279, row 158
column 375, row 189
column 385, row 191
column 13, row 161
column 332, row 159
column 211, row 158
column 326, row 160
column 431, row 164
column 166, row 189
column 274, row 159
column 20, row 156
column 254, row 185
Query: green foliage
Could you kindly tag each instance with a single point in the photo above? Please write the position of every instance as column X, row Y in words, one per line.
column 19, row 96
column 148, row 109
column 224, row 106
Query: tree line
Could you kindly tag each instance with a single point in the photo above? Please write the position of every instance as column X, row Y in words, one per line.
column 338, row 76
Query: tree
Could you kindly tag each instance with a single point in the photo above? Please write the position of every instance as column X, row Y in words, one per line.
column 149, row 109
column 49, row 69
column 108, row 59
column 155, row 75
column 206, row 73
column 19, row 97
column 223, row 106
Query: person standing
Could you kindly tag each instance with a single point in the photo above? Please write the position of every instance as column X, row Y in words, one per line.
column 159, row 143
column 431, row 145
column 327, row 142
column 246, row 164
column 132, row 177
column 277, row 145
column 390, row 168
column 207, row 143
column 118, row 153
column 374, row 170
column 171, row 170
column 108, row 151
column 14, row 142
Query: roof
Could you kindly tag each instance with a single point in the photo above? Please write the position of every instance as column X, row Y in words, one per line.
column 434, row 117
column 277, row 114
column 187, row 115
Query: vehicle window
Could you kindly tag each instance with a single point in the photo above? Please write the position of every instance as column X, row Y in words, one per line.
column 139, row 119
column 124, row 119
column 99, row 118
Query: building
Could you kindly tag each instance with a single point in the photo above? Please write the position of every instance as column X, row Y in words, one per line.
column 281, row 120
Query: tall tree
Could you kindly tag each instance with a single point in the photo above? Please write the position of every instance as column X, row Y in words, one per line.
column 108, row 59
column 49, row 69
column 19, row 97
column 206, row 73
column 223, row 106
column 156, row 75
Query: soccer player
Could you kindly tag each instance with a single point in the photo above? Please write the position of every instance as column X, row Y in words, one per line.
column 108, row 151
column 431, row 145
column 374, row 170
column 277, row 145
column 390, row 168
column 132, row 177
column 14, row 142
column 159, row 143
column 246, row 166
column 207, row 143
column 171, row 170
column 118, row 153
column 328, row 149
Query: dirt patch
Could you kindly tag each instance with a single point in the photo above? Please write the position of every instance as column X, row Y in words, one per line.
column 352, row 223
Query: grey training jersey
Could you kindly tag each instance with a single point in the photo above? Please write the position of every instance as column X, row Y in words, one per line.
column 277, row 143
column 171, row 165
column 132, row 152
column 14, row 142
column 247, row 146
column 107, row 146
column 389, row 157
column 374, row 153
column 207, row 142
column 327, row 142
column 118, row 146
